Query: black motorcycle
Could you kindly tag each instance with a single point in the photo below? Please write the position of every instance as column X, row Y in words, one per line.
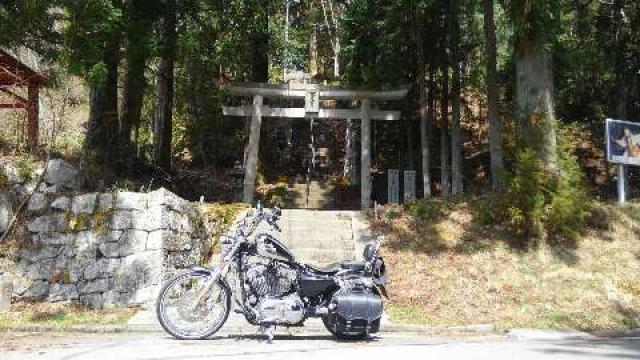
column 272, row 289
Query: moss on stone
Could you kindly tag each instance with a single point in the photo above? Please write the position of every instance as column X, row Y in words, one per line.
column 100, row 220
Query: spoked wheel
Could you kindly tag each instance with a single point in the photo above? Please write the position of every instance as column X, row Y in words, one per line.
column 188, row 313
column 350, row 336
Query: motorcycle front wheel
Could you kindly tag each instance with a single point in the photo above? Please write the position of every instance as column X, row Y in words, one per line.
column 187, row 311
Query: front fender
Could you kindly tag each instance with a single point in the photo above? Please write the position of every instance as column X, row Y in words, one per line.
column 209, row 272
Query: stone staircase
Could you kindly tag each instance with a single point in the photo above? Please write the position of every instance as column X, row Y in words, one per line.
column 322, row 237
column 319, row 197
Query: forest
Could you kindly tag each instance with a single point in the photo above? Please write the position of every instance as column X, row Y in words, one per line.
column 506, row 97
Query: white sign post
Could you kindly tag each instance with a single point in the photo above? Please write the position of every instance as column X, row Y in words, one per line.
column 393, row 186
column 409, row 186
column 623, row 148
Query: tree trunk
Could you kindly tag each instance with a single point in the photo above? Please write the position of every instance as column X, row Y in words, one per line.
column 134, row 83
column 162, row 127
column 495, row 123
column 423, row 104
column 620, row 90
column 336, row 56
column 260, row 64
column 444, row 133
column 313, row 52
column 534, row 98
column 103, row 114
column 456, row 151
column 444, row 108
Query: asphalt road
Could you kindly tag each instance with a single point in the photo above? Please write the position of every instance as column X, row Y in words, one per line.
column 308, row 347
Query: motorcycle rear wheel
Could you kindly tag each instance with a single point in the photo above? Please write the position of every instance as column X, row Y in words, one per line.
column 183, row 316
column 342, row 335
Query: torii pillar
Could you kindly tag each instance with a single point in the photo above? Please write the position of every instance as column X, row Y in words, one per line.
column 365, row 153
column 251, row 164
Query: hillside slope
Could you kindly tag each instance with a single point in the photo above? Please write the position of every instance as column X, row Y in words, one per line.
column 447, row 269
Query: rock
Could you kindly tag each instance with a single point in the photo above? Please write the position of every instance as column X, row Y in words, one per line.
column 37, row 203
column 155, row 241
column 95, row 286
column 131, row 201
column 121, row 220
column 14, row 177
column 110, row 249
column 164, row 197
column 62, row 292
column 54, row 238
column 93, row 301
column 84, row 204
column 37, row 291
column 39, row 253
column 49, row 223
column 62, row 176
column 174, row 241
column 105, row 202
column 41, row 270
column 149, row 220
column 6, row 212
column 61, row 203
column 101, row 268
column 76, row 271
column 133, row 242
column 6, row 291
column 112, row 298
column 86, row 244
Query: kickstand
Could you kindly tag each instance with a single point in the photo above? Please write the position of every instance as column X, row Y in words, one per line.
column 268, row 331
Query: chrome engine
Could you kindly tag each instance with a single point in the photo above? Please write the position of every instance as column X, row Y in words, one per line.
column 288, row 310
column 270, row 291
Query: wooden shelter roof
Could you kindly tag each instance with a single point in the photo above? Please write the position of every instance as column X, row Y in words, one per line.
column 13, row 72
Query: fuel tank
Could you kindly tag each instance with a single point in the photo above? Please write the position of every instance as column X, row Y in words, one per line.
column 270, row 247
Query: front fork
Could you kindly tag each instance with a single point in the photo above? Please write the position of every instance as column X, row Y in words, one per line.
column 219, row 271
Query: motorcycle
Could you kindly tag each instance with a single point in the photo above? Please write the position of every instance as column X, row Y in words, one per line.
column 272, row 289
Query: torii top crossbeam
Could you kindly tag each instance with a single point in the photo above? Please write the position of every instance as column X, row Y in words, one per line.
column 313, row 95
column 326, row 92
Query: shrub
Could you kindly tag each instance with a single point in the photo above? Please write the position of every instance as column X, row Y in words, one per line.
column 542, row 203
column 424, row 209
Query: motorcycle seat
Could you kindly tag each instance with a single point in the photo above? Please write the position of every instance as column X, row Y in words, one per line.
column 335, row 267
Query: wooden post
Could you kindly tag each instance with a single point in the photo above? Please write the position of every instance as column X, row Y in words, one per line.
column 32, row 115
column 622, row 177
column 251, row 165
column 365, row 163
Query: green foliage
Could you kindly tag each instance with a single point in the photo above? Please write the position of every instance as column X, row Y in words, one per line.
column 26, row 166
column 218, row 219
column 4, row 179
column 425, row 209
column 90, row 25
column 272, row 194
column 540, row 202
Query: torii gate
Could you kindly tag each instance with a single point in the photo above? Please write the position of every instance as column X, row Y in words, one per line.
column 312, row 94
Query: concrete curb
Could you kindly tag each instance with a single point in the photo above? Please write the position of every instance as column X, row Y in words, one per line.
column 69, row 328
column 623, row 333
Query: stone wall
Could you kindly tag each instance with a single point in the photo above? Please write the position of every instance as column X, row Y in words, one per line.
column 104, row 249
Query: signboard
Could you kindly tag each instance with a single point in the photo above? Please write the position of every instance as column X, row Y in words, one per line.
column 623, row 142
column 393, row 186
column 409, row 186
column 312, row 101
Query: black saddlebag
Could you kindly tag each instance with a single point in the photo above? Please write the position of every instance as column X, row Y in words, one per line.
column 355, row 310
